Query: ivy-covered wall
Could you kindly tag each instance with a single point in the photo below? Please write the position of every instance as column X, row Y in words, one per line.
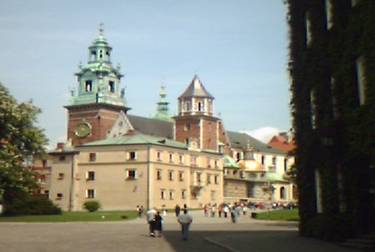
column 335, row 135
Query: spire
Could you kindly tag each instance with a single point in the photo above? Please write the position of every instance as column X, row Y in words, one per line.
column 101, row 29
column 162, row 111
column 196, row 89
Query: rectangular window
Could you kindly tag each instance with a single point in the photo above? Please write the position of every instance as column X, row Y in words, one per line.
column 329, row 13
column 92, row 157
column 132, row 155
column 285, row 164
column 183, row 194
column 158, row 174
column 90, row 175
column 59, row 196
column 62, row 158
column 216, row 179
column 181, row 176
column 199, row 179
column 171, row 195
column 208, row 179
column 273, row 160
column 90, row 193
column 263, row 159
column 361, row 81
column 170, row 175
column 216, row 164
column 181, row 159
column 158, row 156
column 162, row 194
column 61, row 176
column 170, row 157
column 131, row 174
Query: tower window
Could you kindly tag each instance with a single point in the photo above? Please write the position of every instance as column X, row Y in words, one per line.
column 187, row 106
column 88, row 86
column 111, row 86
column 200, row 106
column 100, row 54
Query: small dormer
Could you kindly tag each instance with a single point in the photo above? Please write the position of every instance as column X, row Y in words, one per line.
column 196, row 100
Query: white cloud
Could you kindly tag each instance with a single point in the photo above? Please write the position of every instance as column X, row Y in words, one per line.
column 263, row 134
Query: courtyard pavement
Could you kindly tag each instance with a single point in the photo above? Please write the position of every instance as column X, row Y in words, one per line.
column 207, row 234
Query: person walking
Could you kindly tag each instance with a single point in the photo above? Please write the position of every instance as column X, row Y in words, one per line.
column 226, row 210
column 151, row 213
column 177, row 210
column 158, row 224
column 233, row 214
column 185, row 220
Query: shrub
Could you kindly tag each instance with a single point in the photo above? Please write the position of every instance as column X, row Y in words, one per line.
column 91, row 205
column 31, row 205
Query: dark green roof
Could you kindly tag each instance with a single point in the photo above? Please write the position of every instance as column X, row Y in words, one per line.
column 242, row 140
column 138, row 139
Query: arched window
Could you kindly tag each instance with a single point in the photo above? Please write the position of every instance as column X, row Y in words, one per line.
column 88, row 86
column 282, row 193
column 111, row 86
column 199, row 106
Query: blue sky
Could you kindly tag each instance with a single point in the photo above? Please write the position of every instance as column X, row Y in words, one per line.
column 238, row 48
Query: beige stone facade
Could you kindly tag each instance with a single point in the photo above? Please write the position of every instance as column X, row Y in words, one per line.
column 122, row 177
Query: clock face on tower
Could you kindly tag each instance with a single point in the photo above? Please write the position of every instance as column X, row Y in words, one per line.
column 83, row 129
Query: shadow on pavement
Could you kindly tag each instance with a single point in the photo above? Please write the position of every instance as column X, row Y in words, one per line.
column 254, row 241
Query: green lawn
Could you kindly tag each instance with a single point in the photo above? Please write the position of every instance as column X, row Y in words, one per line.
column 74, row 216
column 284, row 215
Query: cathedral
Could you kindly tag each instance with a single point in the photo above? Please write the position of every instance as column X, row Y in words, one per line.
column 124, row 160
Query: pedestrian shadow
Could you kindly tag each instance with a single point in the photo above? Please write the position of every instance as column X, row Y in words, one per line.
column 283, row 240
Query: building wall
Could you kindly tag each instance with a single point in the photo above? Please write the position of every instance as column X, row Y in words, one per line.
column 101, row 120
column 117, row 192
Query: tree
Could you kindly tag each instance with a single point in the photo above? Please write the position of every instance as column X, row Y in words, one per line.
column 20, row 140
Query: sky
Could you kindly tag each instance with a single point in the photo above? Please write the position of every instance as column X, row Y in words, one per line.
column 238, row 48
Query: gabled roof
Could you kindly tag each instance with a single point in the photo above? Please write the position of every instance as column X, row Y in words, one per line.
column 196, row 89
column 137, row 138
column 243, row 141
column 151, row 126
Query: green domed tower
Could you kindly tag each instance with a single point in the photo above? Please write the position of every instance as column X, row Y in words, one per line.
column 162, row 110
column 97, row 101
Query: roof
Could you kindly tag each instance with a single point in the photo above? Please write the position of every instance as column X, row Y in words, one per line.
column 196, row 89
column 162, row 128
column 281, row 143
column 152, row 126
column 229, row 162
column 243, row 141
column 137, row 139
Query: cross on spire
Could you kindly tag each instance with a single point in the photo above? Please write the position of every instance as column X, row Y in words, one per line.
column 101, row 28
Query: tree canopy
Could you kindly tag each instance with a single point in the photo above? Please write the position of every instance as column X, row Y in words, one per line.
column 20, row 140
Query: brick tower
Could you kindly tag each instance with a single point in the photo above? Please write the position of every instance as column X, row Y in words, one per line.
column 195, row 124
column 95, row 106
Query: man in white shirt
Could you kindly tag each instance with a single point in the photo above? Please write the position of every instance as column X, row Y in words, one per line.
column 185, row 220
column 151, row 220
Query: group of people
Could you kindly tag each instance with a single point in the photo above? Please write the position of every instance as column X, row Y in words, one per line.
column 225, row 210
column 155, row 221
